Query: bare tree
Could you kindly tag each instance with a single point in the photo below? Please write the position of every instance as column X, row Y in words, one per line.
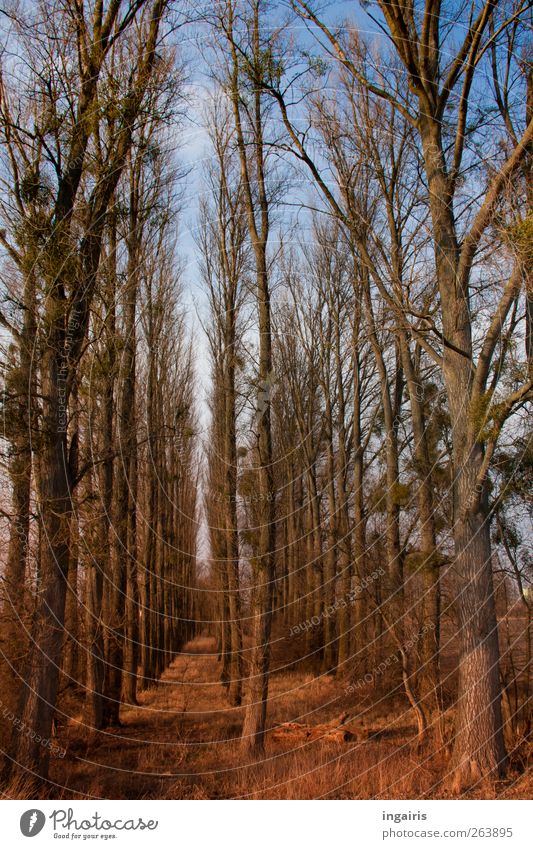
column 437, row 70
column 57, row 173
column 225, row 254
column 245, row 72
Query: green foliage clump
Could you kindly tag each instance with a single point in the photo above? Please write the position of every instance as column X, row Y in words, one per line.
column 401, row 494
column 520, row 236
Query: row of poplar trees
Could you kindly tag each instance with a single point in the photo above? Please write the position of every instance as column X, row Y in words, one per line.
column 365, row 244
column 98, row 408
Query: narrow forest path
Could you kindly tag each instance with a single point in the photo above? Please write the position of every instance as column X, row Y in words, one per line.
column 182, row 741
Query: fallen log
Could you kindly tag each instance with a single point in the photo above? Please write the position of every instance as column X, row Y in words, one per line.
column 329, row 732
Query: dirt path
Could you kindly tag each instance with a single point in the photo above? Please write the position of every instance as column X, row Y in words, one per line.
column 183, row 718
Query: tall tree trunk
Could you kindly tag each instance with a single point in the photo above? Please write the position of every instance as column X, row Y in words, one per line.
column 392, row 533
column 41, row 678
column 116, row 585
column 71, row 655
column 257, row 211
column 478, row 747
column 149, row 565
column 314, row 602
column 429, row 675
column 255, row 717
column 230, row 498
column 344, row 525
column 330, row 571
column 21, row 381
column 362, row 610
column 126, row 527
column 98, row 585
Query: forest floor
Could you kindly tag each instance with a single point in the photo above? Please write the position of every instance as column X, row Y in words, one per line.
column 182, row 742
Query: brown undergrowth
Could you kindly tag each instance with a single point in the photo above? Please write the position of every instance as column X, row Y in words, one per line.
column 182, row 742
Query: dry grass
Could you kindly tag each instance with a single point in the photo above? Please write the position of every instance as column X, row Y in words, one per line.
column 182, row 742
